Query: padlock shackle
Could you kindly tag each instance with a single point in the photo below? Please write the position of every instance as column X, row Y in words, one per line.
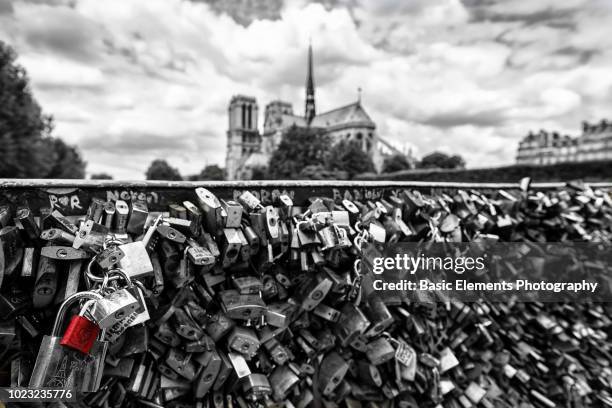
column 61, row 313
column 122, row 274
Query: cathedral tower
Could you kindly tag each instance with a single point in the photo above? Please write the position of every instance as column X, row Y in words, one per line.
column 242, row 135
column 310, row 92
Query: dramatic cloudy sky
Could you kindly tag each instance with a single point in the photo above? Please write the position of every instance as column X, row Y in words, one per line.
column 130, row 81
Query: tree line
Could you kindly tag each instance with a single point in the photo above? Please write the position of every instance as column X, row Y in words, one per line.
column 311, row 154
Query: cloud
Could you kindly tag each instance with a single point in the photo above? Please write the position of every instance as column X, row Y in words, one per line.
column 131, row 81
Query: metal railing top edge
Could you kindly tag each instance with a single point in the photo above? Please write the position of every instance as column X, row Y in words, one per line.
column 62, row 183
column 66, row 183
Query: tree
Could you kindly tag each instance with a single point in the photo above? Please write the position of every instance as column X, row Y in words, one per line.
column 442, row 161
column 259, row 173
column 161, row 170
column 397, row 162
column 27, row 149
column 318, row 172
column 66, row 160
column 348, row 156
column 101, row 176
column 299, row 147
column 22, row 124
column 211, row 172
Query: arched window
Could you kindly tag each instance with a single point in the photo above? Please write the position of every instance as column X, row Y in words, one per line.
column 359, row 136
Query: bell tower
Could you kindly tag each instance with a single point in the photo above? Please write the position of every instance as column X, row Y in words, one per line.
column 243, row 137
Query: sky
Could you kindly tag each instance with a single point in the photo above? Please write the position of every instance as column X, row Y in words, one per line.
column 132, row 81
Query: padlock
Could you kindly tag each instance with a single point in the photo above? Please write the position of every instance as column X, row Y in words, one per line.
column 379, row 351
column 135, row 261
column 248, row 200
column 245, row 250
column 330, row 237
column 326, row 312
column 24, row 220
column 109, row 214
column 282, row 380
column 134, row 340
column 60, row 367
column 352, row 323
column 378, row 314
column 219, row 325
column 122, row 213
column 314, row 291
column 234, row 213
column 186, row 327
column 58, row 236
column 28, row 265
column 6, row 215
column 239, row 364
column 167, row 335
column 11, row 251
column 58, row 220
column 138, row 316
column 199, row 255
column 244, row 341
column 272, row 225
column 95, row 210
column 90, row 236
column 241, row 307
column 109, row 257
column 181, row 363
column 279, row 354
column 258, row 224
column 194, row 215
column 158, row 277
column 284, row 203
column 224, row 372
column 45, row 285
column 247, row 285
column 256, row 386
column 170, row 233
column 368, row 373
column 63, row 253
column 177, row 211
column 14, row 301
column 210, row 362
column 114, row 307
column 211, row 208
column 137, row 218
column 332, row 371
column 252, row 239
column 280, row 314
column 230, row 246
column 81, row 333
column 207, row 241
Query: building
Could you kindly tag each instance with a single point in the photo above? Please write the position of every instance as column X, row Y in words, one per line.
column 595, row 143
column 248, row 149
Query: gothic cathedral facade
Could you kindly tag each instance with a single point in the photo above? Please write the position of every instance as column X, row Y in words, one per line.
column 248, row 149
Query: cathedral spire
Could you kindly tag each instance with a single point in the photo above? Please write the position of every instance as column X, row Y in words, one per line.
column 310, row 93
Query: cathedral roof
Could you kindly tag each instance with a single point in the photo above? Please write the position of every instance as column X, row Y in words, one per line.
column 283, row 121
column 349, row 114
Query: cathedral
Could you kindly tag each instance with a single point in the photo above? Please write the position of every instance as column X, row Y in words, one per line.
column 247, row 148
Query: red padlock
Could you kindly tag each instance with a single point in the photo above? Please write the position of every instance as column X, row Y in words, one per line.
column 81, row 333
